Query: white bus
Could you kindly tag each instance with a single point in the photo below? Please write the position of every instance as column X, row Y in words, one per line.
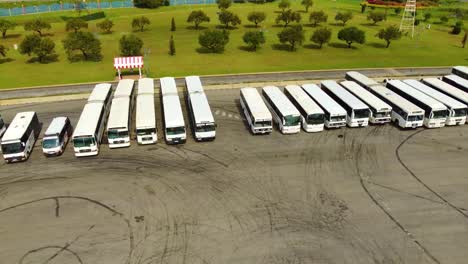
column 435, row 113
column 312, row 116
column 174, row 124
column 461, row 71
column 357, row 112
column 124, row 88
column 285, row 113
column 404, row 113
column 256, row 112
column 89, row 131
column 56, row 136
column 2, row 126
column 119, row 123
column 101, row 93
column 145, row 113
column 380, row 111
column 335, row 115
column 201, row 117
column 457, row 111
column 447, row 89
column 18, row 140
column 456, row 81
column 360, row 78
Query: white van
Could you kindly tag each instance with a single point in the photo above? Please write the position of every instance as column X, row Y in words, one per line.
column 56, row 136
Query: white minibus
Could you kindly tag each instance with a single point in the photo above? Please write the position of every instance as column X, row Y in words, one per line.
column 20, row 137
column 256, row 112
column 56, row 136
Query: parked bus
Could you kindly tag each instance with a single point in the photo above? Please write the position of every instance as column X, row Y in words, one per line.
column 358, row 113
column 101, row 93
column 447, row 89
column 119, row 123
column 56, row 136
column 285, row 114
column 89, row 130
column 335, row 115
column 124, row 88
column 256, row 112
column 20, row 137
column 201, row 117
column 456, row 81
column 457, row 111
column 360, row 79
column 145, row 113
column 174, row 124
column 2, row 126
column 461, row 71
column 380, row 111
column 404, row 113
column 312, row 116
column 435, row 113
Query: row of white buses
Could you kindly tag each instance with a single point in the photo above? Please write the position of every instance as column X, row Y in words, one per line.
column 201, row 117
column 120, row 122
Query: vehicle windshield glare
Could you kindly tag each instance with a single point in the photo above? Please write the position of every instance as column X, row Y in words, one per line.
column 461, row 112
column 315, row 119
column 291, row 120
column 205, row 128
column 175, row 130
column 112, row 134
column 337, row 118
column 440, row 114
column 50, row 143
column 382, row 114
column 12, row 148
column 265, row 123
column 413, row 118
column 145, row 131
column 83, row 142
column 361, row 113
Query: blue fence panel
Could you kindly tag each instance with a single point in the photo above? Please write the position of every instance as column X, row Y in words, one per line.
column 55, row 7
column 4, row 12
column 68, row 6
column 105, row 5
column 16, row 11
column 92, row 5
column 43, row 8
column 128, row 4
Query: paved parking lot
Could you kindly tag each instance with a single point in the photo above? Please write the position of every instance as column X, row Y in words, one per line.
column 364, row 195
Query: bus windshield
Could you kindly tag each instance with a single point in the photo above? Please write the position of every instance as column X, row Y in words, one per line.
column 12, row 148
column 83, row 142
column 461, row 112
column 439, row 114
column 337, row 118
column 112, row 134
column 315, row 119
column 413, row 118
column 262, row 123
column 291, row 120
column 145, row 131
column 205, row 128
column 382, row 114
column 361, row 113
column 175, row 130
column 50, row 143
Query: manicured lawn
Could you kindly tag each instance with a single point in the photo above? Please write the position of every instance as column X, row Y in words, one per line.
column 431, row 47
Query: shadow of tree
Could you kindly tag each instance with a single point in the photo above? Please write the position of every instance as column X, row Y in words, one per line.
column 203, row 50
column 10, row 36
column 5, row 60
column 312, row 46
column 46, row 60
column 377, row 45
column 340, row 45
column 283, row 47
column 194, row 28
column 336, row 24
column 248, row 48
column 250, row 26
column 224, row 27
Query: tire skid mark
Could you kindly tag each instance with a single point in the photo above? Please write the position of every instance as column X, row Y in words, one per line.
column 52, row 247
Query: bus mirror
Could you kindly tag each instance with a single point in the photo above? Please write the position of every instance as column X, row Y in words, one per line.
column 23, row 144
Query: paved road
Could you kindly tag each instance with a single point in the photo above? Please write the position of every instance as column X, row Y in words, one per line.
column 233, row 79
column 364, row 195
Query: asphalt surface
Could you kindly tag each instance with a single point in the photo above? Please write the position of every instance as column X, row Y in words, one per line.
column 363, row 195
column 235, row 79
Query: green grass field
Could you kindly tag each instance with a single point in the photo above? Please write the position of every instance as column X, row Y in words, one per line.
column 430, row 47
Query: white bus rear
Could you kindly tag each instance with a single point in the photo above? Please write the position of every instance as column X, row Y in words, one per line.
column 202, row 119
column 456, row 81
column 88, row 132
column 124, row 88
column 256, row 112
column 118, row 124
column 461, row 71
column 312, row 116
column 335, row 115
column 146, row 130
column 284, row 112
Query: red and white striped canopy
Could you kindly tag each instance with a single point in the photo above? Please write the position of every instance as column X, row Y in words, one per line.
column 128, row 62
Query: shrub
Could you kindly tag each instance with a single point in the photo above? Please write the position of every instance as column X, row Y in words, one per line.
column 293, row 36
column 321, row 36
column 6, row 25
column 457, row 28
column 344, row 17
column 287, row 17
column 317, row 16
column 197, row 17
column 139, row 23
column 256, row 17
column 130, row 45
column 105, row 25
column 351, row 35
column 83, row 42
column 214, row 40
column 148, row 3
column 254, row 39
column 376, row 17
column 390, row 33
column 75, row 24
column 38, row 25
column 227, row 17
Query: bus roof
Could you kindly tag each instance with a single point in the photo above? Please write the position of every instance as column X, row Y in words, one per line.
column 119, row 113
column 89, row 119
column 18, row 126
column 366, row 96
column 124, row 88
column 309, row 106
column 281, row 101
column 323, row 99
column 449, row 89
column 463, row 69
column 417, row 95
column 193, row 84
column 457, row 81
column 168, row 85
column 145, row 112
column 146, row 86
column 56, row 126
column 347, row 97
column 396, row 99
column 360, row 78
column 256, row 104
column 201, row 108
column 439, row 96
column 173, row 116
column 100, row 92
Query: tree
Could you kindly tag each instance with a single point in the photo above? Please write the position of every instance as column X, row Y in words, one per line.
column 106, row 25
column 85, row 43
column 284, row 4
column 38, row 25
column 363, row 7
column 148, row 3
column 256, row 17
column 321, row 36
column 6, row 25
column 344, row 17
column 197, row 17
column 318, row 16
column 307, row 4
column 390, row 33
column 224, row 4
column 3, row 50
column 139, row 23
column 75, row 24
column 29, row 43
column 444, row 19
column 457, row 28
column 44, row 50
column 130, row 45
column 173, row 26
column 214, row 40
column 427, row 16
column 227, row 17
column 376, row 17
column 352, row 34
column 293, row 36
column 287, row 17
column 464, row 39
column 254, row 39
column 172, row 50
